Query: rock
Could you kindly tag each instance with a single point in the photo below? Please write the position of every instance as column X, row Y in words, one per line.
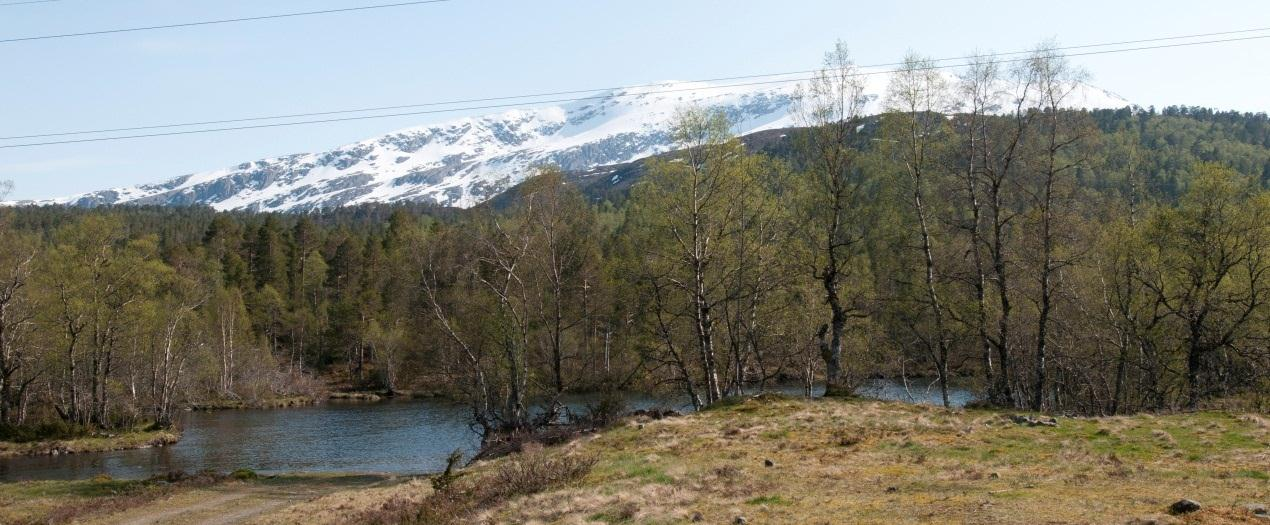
column 892, row 490
column 656, row 413
column 769, row 463
column 697, row 517
column 1257, row 509
column 740, row 520
column 1034, row 421
column 1184, row 506
column 994, row 475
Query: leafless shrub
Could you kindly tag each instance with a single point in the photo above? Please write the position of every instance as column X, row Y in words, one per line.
column 529, row 473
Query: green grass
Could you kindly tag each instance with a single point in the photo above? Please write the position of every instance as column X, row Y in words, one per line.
column 1254, row 474
column 244, row 474
column 632, row 466
column 48, row 501
column 776, row 434
column 768, row 500
column 142, row 436
column 61, row 489
column 650, row 473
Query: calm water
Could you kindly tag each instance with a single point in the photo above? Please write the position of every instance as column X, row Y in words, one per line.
column 401, row 437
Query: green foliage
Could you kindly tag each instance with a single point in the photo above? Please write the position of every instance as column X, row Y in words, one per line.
column 244, row 474
column 773, row 500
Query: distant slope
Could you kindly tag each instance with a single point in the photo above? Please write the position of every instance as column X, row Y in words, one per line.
column 466, row 161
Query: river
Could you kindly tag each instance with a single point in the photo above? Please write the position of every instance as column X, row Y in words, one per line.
column 395, row 437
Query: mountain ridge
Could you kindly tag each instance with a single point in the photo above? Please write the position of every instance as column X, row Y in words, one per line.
column 465, row 161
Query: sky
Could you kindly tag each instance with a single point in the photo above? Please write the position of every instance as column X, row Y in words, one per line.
column 465, row 49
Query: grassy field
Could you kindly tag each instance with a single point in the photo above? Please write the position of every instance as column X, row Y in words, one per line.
column 121, row 441
column 31, row 502
column 877, row 462
column 781, row 460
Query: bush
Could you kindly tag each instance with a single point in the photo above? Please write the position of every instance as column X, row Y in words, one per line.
column 244, row 474
column 52, row 430
column 443, row 480
column 532, row 473
column 529, row 473
column 607, row 409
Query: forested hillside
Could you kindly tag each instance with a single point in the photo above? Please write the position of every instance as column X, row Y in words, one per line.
column 1073, row 261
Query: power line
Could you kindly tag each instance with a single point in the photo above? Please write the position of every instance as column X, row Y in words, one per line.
column 585, row 91
column 391, row 115
column 580, row 99
column 221, row 21
column 7, row 4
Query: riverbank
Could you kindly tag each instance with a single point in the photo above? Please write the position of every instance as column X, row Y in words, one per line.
column 104, row 442
column 305, row 401
column 273, row 402
column 782, row 460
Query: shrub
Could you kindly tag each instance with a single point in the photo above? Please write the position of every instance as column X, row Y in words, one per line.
column 51, row 430
column 456, row 499
column 607, row 409
column 533, row 473
column 443, row 480
column 244, row 474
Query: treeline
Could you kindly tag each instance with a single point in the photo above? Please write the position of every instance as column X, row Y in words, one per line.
column 979, row 232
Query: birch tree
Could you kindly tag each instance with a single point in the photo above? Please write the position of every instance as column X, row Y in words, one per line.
column 829, row 107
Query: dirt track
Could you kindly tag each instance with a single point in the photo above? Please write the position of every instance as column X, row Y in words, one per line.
column 238, row 502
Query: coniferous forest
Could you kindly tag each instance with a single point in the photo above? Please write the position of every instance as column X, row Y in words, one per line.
column 1060, row 260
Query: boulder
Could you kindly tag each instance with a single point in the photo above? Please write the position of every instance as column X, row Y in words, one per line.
column 1257, row 509
column 1184, row 506
column 1034, row 421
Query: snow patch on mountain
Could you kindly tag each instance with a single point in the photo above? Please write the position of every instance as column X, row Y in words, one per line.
column 465, row 161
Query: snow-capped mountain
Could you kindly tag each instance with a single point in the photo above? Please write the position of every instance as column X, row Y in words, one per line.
column 468, row 160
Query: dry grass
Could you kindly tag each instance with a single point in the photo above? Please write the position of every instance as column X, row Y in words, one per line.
column 529, row 472
column 347, row 506
column 878, row 462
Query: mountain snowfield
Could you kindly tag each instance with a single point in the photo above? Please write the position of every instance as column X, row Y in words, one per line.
column 465, row 161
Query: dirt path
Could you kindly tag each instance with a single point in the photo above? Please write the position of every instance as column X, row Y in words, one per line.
column 237, row 502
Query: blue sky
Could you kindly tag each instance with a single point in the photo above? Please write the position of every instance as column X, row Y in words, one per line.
column 479, row 48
